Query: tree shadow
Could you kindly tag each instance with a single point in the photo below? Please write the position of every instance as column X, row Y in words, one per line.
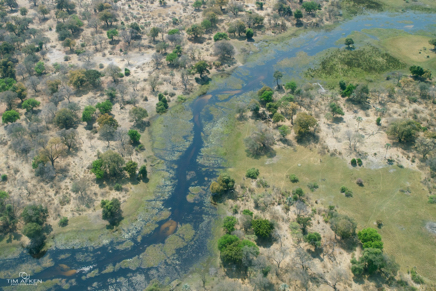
column 199, row 40
column 47, row 229
column 307, row 139
column 316, row 254
column 268, row 152
column 142, row 125
column 338, row 119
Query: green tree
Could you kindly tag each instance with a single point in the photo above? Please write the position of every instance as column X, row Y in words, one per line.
column 88, row 115
column 197, row 4
column 226, row 240
column 349, row 42
column 142, row 173
column 65, row 118
column 220, row 35
column 171, row 58
column 32, row 230
column 371, row 261
column 39, row 68
column 249, row 33
column 311, row 6
column 131, row 168
column 304, row 222
column 34, row 214
column 405, row 130
column 433, row 43
column 111, row 210
column 416, row 71
column 292, row 85
column 262, row 227
column 206, row 24
column 10, row 116
column 96, row 168
column 104, row 107
column 229, row 224
column 277, row 76
column 30, row 104
column 303, row 123
column 298, row 15
column 284, row 130
column 107, row 16
column 134, row 135
column 252, row 173
column 370, row 238
column 137, row 114
column 77, row 78
column 195, row 30
column 154, row 32
column 343, row 226
column 201, row 67
column 278, row 117
column 336, row 109
column 266, row 97
column 314, row 239
column 223, row 183
column 21, row 90
column 93, row 77
column 111, row 33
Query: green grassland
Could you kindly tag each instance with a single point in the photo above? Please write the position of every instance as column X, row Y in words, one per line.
column 393, row 50
column 356, row 6
column 393, row 194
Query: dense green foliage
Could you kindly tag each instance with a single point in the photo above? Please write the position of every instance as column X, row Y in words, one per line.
column 370, row 238
column 111, row 211
column 223, row 184
column 262, row 227
column 252, row 173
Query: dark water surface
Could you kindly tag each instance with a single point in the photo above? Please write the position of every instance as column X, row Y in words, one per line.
column 200, row 215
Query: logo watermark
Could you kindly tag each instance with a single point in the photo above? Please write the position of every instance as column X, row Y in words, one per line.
column 24, row 280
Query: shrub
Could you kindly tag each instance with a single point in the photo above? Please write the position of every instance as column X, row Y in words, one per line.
column 415, row 277
column 226, row 240
column 229, row 224
column 262, row 227
column 343, row 189
column 126, row 72
column 359, row 182
column 4, row 177
column 348, row 193
column 298, row 192
column 118, row 187
column 312, row 186
column 379, row 223
column 359, row 162
column 63, row 222
column 353, row 162
column 252, row 173
column 293, row 178
column 370, row 238
column 378, row 121
column 134, row 135
column 142, row 173
column 247, row 212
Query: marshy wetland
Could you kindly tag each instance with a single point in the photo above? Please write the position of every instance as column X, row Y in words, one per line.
column 168, row 225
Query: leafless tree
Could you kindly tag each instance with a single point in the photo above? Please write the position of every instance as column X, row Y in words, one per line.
column 33, row 83
column 157, row 59
column 69, row 137
column 278, row 255
column 20, row 69
column 107, row 133
column 184, row 79
column 153, row 81
column 126, row 36
column 302, row 259
column 335, row 276
column 94, row 22
column 87, row 58
column 349, row 136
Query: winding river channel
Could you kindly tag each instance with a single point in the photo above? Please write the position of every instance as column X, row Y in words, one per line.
column 195, row 165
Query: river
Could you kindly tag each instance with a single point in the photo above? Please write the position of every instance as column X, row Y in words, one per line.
column 196, row 167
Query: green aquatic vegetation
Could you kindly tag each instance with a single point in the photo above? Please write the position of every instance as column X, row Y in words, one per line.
column 339, row 63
